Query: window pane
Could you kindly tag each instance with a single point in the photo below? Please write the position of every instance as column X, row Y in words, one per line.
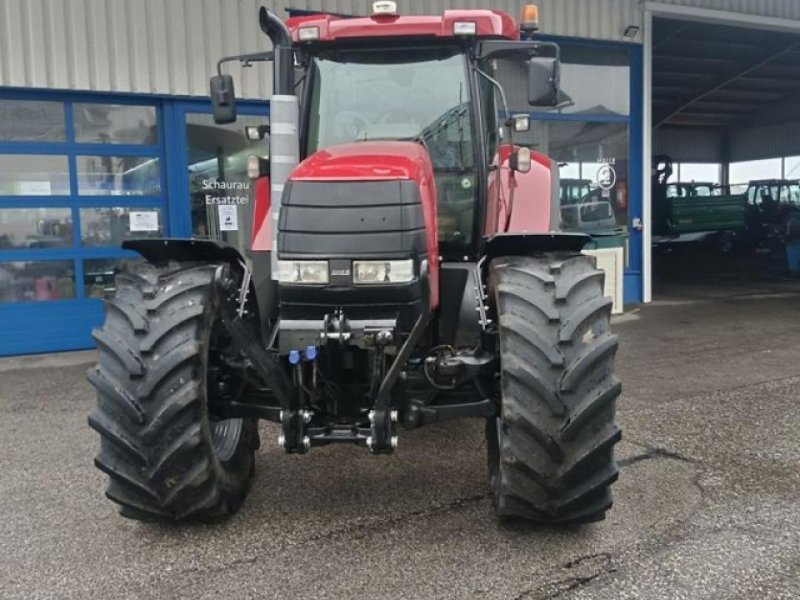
column 118, row 176
column 99, row 275
column 35, row 281
column 217, row 172
column 593, row 168
column 31, row 121
column 792, row 167
column 594, row 81
column 743, row 172
column 699, row 172
column 35, row 228
column 33, row 175
column 114, row 124
column 113, row 225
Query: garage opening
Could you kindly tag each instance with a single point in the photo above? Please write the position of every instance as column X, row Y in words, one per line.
column 726, row 164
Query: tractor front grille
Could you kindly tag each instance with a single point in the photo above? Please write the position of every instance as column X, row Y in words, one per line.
column 351, row 219
column 342, row 221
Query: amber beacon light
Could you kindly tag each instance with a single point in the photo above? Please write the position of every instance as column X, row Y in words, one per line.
column 529, row 22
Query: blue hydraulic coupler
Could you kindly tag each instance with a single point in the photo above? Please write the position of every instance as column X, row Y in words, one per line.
column 294, row 357
column 311, row 353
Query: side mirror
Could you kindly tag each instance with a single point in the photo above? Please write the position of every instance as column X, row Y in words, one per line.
column 544, row 76
column 520, row 160
column 223, row 99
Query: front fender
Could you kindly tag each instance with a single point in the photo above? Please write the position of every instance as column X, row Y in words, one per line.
column 527, row 244
column 162, row 250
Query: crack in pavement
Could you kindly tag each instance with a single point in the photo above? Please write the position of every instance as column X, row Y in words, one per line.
column 394, row 519
column 357, row 529
column 653, row 452
column 589, row 568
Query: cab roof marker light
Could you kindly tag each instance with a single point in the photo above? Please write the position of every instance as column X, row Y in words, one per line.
column 384, row 8
column 465, row 28
column 308, row 34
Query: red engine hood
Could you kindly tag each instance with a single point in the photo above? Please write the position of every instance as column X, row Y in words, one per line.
column 366, row 161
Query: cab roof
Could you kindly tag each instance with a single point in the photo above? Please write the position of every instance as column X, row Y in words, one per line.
column 491, row 24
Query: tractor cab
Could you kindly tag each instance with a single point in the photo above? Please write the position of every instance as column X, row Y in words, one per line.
column 427, row 80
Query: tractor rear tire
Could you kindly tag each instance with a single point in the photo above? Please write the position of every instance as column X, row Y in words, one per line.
column 551, row 451
column 166, row 457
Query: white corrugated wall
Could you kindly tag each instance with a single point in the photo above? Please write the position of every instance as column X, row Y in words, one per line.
column 150, row 46
column 171, row 46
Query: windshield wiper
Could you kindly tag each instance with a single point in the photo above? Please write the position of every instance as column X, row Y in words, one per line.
column 450, row 116
column 387, row 138
column 442, row 123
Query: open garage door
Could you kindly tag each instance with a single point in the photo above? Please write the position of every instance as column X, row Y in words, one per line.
column 725, row 196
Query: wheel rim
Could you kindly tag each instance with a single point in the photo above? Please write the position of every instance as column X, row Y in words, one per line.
column 225, row 433
column 225, row 436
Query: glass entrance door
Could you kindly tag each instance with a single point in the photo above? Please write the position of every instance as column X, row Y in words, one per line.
column 215, row 174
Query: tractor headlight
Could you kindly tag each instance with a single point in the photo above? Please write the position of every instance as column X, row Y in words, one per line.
column 303, row 271
column 383, row 271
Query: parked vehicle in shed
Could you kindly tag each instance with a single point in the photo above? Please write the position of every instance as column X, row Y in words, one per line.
column 398, row 276
column 773, row 212
column 693, row 212
column 765, row 214
column 693, row 189
column 573, row 191
column 703, row 214
column 584, row 209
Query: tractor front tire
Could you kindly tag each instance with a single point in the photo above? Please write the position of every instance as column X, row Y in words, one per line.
column 551, row 451
column 165, row 456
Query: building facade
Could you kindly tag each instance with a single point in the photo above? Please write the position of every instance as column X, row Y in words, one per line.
column 106, row 133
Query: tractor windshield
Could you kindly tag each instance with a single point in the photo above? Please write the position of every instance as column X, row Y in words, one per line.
column 401, row 94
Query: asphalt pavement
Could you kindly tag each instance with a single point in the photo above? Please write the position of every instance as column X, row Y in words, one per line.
column 707, row 504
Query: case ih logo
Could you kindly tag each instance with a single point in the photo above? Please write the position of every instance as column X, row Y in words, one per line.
column 340, row 272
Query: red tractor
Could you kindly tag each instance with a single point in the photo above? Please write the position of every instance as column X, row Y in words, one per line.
column 407, row 268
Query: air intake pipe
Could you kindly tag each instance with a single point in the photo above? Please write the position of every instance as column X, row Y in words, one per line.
column 278, row 33
column 284, row 141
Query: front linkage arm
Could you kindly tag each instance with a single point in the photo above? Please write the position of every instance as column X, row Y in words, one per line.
column 292, row 417
column 383, row 418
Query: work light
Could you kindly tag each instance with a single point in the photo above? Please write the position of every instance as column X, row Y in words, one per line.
column 308, row 34
column 465, row 28
column 383, row 271
column 303, row 271
column 385, row 8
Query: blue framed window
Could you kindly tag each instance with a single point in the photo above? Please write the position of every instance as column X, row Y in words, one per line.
column 595, row 136
column 79, row 174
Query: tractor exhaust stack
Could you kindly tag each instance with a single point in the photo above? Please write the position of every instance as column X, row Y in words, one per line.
column 284, row 142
